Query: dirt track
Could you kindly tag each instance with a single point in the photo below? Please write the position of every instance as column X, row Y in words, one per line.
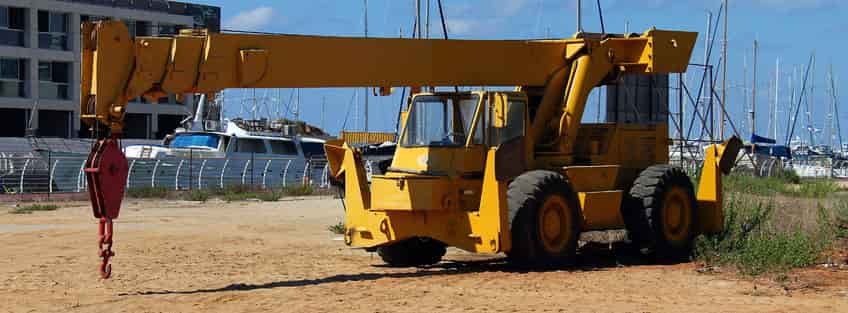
column 258, row 257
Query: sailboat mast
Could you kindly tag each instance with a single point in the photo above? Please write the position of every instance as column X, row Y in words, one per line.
column 776, row 97
column 810, row 98
column 754, row 100
column 724, row 73
column 365, row 108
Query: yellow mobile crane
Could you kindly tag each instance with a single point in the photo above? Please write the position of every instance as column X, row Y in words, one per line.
column 510, row 172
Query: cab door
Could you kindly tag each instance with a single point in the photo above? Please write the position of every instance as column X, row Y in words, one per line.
column 507, row 131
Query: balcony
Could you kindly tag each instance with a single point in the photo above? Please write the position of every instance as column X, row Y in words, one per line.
column 11, row 37
column 53, row 41
column 12, row 89
column 51, row 90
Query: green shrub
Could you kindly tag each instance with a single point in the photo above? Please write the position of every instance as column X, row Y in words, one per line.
column 753, row 243
column 269, row 196
column 788, row 183
column 816, row 188
column 298, row 190
column 747, row 184
column 147, row 192
column 197, row 195
column 338, row 228
column 34, row 208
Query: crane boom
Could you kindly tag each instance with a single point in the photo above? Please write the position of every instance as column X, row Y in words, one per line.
column 206, row 63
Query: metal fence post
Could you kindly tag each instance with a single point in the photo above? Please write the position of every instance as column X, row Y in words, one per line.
column 153, row 176
column 190, row 168
column 286, row 173
column 49, row 173
column 265, row 174
column 23, row 173
column 200, row 175
column 177, row 175
column 223, row 170
column 252, row 157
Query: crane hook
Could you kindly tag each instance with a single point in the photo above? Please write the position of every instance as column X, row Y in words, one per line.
column 105, row 243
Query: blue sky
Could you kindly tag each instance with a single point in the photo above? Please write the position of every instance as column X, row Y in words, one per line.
column 789, row 29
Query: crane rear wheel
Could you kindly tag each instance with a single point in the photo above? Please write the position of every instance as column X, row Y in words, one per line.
column 660, row 214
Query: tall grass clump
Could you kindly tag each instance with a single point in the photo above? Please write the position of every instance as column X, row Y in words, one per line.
column 197, row 195
column 147, row 192
column 298, row 190
column 39, row 207
column 338, row 228
column 755, row 241
column 787, row 183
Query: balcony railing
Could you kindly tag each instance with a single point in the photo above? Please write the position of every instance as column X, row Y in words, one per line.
column 12, row 89
column 51, row 90
column 11, row 37
column 53, row 41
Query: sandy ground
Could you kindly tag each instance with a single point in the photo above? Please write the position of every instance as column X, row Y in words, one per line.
column 279, row 257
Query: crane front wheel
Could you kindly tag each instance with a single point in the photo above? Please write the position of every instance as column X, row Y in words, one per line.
column 412, row 252
column 545, row 222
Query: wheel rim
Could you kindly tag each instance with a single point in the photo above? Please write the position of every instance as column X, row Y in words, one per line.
column 554, row 221
column 677, row 215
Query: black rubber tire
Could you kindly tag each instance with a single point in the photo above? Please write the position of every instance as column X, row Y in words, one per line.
column 525, row 196
column 642, row 213
column 413, row 252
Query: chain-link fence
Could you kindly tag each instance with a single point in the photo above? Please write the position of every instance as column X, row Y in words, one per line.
column 47, row 172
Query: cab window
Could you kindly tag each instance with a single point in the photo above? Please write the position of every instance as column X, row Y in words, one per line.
column 440, row 120
column 515, row 122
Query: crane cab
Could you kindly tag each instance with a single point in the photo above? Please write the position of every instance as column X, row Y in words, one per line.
column 449, row 133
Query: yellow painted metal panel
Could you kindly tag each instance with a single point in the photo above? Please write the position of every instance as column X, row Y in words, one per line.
column 413, row 193
column 318, row 61
column 592, row 178
column 150, row 64
column 182, row 68
column 367, row 137
column 602, row 209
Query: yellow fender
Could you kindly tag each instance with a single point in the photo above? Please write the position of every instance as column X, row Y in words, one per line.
column 718, row 160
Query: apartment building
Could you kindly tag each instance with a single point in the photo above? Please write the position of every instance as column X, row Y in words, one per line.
column 40, row 63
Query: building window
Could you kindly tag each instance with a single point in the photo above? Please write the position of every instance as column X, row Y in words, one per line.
column 168, row 29
column 11, row 26
column 54, row 79
column 12, row 77
column 93, row 18
column 53, row 30
column 55, row 124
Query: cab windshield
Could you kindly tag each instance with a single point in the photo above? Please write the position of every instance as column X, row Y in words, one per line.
column 440, row 120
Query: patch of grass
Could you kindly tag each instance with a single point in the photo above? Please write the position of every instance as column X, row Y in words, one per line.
column 269, row 196
column 788, row 183
column 816, row 188
column 840, row 220
column 147, row 192
column 338, row 228
column 29, row 209
column 298, row 190
column 754, row 241
column 242, row 193
column 747, row 184
column 197, row 195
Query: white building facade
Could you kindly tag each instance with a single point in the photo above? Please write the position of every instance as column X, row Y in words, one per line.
column 40, row 63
